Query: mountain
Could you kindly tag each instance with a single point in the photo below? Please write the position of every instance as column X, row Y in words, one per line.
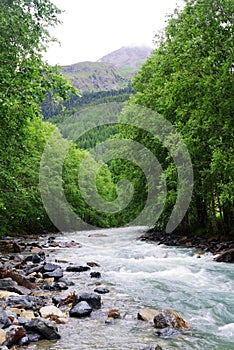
column 127, row 56
column 94, row 76
column 107, row 80
column 111, row 72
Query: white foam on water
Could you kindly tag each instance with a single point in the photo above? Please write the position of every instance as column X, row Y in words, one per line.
column 227, row 331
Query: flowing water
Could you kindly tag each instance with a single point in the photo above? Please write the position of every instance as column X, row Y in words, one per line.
column 141, row 274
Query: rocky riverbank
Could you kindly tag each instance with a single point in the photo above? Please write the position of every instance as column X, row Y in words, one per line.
column 38, row 297
column 223, row 250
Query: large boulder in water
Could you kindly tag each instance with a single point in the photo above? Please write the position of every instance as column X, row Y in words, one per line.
column 93, row 299
column 169, row 318
column 82, row 309
column 45, row 328
column 147, row 314
column 227, row 256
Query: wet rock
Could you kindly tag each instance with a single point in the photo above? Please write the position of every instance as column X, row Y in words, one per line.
column 33, row 337
column 2, row 336
column 114, row 313
column 4, row 320
column 77, row 268
column 7, row 284
column 227, row 256
column 26, row 302
column 48, row 267
column 59, row 286
column 24, row 341
column 50, row 310
column 147, row 314
column 167, row 332
column 58, row 273
column 82, row 309
column 35, row 259
column 95, row 274
column 93, row 299
column 101, row 290
column 169, row 318
column 93, row 264
column 13, row 335
column 44, row 327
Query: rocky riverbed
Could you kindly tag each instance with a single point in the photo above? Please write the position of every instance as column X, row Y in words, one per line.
column 33, row 303
column 41, row 294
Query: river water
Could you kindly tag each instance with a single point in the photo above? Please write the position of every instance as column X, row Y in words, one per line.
column 141, row 274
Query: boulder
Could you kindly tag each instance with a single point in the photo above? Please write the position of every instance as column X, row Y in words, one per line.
column 4, row 320
column 82, row 309
column 77, row 268
column 48, row 267
column 26, row 302
column 58, row 273
column 50, row 310
column 114, row 313
column 101, row 290
column 24, row 341
column 93, row 299
column 93, row 264
column 44, row 327
column 227, row 256
column 169, row 318
column 147, row 314
column 7, row 284
column 95, row 274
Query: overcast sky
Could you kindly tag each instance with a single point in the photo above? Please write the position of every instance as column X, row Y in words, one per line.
column 94, row 28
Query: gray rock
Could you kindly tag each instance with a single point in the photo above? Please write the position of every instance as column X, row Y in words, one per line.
column 27, row 302
column 4, row 320
column 77, row 268
column 93, row 299
column 24, row 341
column 44, row 327
column 50, row 267
column 82, row 309
column 95, row 274
column 101, row 290
column 58, row 273
column 7, row 284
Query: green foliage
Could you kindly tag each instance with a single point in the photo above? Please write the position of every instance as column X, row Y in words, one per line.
column 189, row 80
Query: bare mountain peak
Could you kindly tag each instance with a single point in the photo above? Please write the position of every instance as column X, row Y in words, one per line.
column 132, row 56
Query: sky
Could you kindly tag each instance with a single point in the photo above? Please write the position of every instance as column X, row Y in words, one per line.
column 94, row 28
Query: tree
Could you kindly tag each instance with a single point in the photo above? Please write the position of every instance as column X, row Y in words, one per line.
column 24, row 80
column 189, row 80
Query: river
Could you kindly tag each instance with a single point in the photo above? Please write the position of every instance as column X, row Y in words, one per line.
column 141, row 274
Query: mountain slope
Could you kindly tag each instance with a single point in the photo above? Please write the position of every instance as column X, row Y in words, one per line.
column 127, row 59
column 94, row 76
column 111, row 72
